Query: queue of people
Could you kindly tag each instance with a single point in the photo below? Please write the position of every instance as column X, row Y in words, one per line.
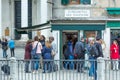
column 43, row 54
column 94, row 49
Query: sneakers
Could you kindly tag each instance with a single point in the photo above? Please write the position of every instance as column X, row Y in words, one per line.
column 91, row 78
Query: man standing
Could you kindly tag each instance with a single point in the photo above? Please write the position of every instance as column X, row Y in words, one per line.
column 99, row 47
column 54, row 66
column 54, row 48
column 11, row 45
column 79, row 50
column 98, row 55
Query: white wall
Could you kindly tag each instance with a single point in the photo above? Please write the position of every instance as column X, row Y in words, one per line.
column 5, row 16
column 46, row 32
column 39, row 16
column 11, row 19
column 49, row 9
column 0, row 19
column 43, row 8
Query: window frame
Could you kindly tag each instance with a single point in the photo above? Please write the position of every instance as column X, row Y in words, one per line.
column 76, row 2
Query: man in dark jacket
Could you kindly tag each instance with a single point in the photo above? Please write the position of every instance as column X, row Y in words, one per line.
column 98, row 54
column 98, row 47
column 79, row 50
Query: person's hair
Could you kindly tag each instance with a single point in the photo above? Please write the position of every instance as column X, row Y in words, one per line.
column 5, row 40
column 115, row 41
column 102, row 41
column 36, row 38
column 51, row 38
column 29, row 41
column 92, row 42
column 47, row 44
column 43, row 37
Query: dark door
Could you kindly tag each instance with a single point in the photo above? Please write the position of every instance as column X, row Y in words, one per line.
column 29, row 17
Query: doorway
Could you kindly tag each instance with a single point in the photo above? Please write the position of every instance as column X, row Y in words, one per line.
column 68, row 38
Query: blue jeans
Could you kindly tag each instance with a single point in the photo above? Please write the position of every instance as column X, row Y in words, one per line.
column 27, row 66
column 35, row 62
column 47, row 66
column 93, row 68
column 4, row 53
column 69, row 63
column 80, row 65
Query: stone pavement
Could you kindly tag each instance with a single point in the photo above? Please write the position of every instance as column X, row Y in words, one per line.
column 19, row 53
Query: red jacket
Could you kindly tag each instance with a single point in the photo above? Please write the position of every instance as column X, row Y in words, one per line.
column 27, row 52
column 114, row 51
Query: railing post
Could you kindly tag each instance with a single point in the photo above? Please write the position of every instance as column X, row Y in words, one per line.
column 100, row 69
column 13, row 68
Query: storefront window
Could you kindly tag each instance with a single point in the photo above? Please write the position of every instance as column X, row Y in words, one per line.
column 114, row 34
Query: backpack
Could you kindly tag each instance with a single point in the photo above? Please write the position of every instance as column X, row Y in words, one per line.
column 99, row 49
column 6, row 69
column 93, row 51
column 33, row 51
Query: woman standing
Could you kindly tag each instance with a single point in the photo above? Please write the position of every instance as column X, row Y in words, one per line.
column 47, row 64
column 92, row 57
column 27, row 55
column 114, row 49
column 37, row 56
column 103, row 48
column 4, row 47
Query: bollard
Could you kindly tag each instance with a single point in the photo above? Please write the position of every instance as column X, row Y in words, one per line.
column 100, row 69
column 13, row 68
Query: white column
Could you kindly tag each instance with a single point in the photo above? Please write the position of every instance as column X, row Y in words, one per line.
column 24, row 17
column 100, row 69
column 13, row 68
column 107, row 41
column 81, row 33
column 56, row 35
column 0, row 18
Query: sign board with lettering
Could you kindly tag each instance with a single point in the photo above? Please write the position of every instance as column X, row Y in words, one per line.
column 77, row 13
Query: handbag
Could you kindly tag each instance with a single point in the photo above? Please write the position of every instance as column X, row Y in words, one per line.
column 53, row 52
column 33, row 51
column 5, row 47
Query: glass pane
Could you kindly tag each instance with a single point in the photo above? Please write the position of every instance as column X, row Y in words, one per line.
column 64, row 2
column 85, row 1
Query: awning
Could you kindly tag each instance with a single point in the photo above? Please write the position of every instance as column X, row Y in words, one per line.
column 64, row 2
column 34, row 28
column 113, row 24
column 78, row 27
column 113, row 11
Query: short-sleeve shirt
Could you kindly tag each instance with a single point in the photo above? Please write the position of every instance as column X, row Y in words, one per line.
column 39, row 47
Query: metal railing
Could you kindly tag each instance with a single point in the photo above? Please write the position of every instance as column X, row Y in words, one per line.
column 59, row 70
